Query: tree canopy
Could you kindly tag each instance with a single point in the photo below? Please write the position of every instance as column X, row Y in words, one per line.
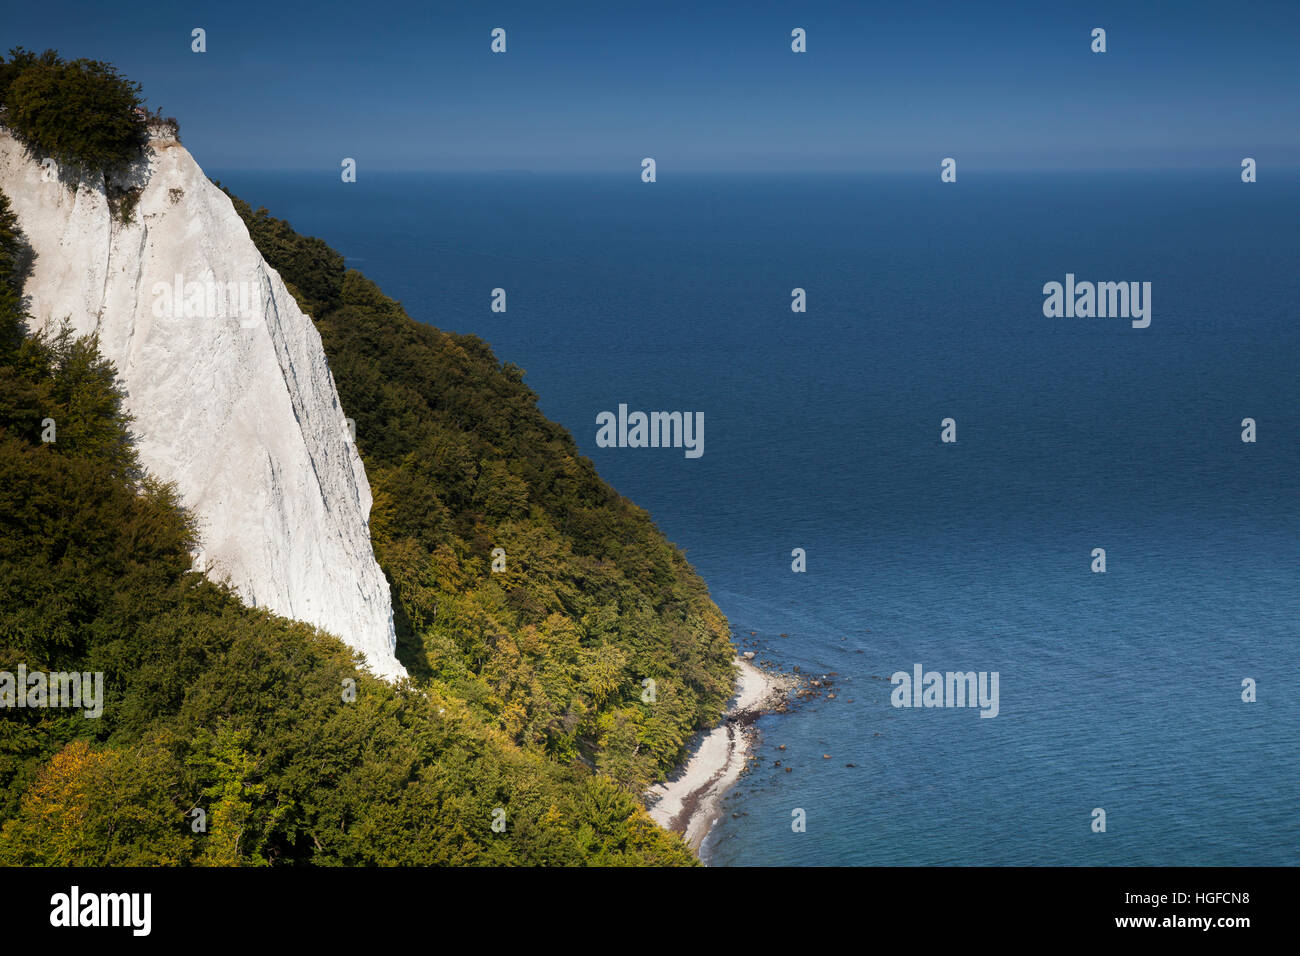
column 79, row 112
column 528, row 702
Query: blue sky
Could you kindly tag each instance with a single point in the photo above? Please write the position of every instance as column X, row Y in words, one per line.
column 702, row 86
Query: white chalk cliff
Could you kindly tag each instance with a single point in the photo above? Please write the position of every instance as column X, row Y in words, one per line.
column 239, row 409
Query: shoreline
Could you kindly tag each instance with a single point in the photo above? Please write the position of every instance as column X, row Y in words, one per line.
column 689, row 802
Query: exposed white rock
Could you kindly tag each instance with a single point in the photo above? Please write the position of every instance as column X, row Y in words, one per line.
column 236, row 406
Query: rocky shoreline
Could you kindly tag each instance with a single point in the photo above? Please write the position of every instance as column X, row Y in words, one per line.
column 690, row 801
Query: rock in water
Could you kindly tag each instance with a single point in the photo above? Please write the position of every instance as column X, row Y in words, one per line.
column 236, row 405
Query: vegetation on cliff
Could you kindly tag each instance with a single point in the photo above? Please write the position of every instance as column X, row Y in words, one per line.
column 544, row 696
column 79, row 112
column 556, row 649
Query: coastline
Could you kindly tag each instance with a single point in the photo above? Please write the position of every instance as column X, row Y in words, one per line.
column 689, row 802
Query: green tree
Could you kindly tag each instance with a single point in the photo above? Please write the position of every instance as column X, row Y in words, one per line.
column 81, row 112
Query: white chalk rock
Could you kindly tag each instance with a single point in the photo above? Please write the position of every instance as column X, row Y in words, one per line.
column 233, row 400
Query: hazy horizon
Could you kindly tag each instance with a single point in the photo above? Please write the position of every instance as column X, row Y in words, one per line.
column 400, row 86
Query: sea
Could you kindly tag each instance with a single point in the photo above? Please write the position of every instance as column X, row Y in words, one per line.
column 1162, row 691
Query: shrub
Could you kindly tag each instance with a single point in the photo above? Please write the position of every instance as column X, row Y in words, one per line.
column 81, row 112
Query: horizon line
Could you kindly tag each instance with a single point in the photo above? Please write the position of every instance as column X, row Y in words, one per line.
column 634, row 172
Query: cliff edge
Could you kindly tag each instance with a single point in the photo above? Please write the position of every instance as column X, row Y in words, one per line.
column 232, row 397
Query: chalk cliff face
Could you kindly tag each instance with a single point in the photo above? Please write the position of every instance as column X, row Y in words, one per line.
column 225, row 376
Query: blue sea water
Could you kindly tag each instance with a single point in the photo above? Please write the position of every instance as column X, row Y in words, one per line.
column 1119, row 690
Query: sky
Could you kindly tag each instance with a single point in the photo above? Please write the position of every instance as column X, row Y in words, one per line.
column 701, row 86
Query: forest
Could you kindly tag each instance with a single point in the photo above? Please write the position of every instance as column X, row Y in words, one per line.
column 544, row 695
